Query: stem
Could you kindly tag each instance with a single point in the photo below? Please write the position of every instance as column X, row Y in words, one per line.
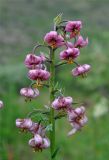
column 51, row 91
column 60, row 64
column 63, row 63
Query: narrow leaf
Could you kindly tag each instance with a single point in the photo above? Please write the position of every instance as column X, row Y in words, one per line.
column 55, row 152
column 49, row 127
column 37, row 111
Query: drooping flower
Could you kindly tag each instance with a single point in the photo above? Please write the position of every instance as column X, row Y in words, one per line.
column 77, row 119
column 31, row 60
column 42, row 56
column 24, row 124
column 1, row 104
column 46, row 143
column 53, row 39
column 37, row 128
column 69, row 44
column 80, row 43
column 70, row 54
column 29, row 93
column 36, row 142
column 62, row 103
column 81, row 70
column 73, row 27
column 39, row 143
column 38, row 75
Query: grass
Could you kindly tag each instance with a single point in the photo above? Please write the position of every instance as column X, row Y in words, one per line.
column 22, row 24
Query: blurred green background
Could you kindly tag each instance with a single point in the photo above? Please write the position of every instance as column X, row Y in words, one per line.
column 22, row 24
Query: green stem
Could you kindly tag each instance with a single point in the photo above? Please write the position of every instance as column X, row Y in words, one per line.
column 51, row 91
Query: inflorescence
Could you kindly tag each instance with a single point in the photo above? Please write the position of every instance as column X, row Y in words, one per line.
column 67, row 34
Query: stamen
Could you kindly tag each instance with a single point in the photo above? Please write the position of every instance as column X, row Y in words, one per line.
column 77, row 119
column 84, row 75
column 53, row 44
column 70, row 61
column 38, row 84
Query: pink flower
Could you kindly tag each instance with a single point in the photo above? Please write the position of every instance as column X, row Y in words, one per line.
column 24, row 124
column 31, row 60
column 1, row 104
column 81, row 42
column 53, row 39
column 37, row 128
column 62, row 103
column 39, row 143
column 29, row 93
column 77, row 119
column 81, row 70
column 69, row 44
column 36, row 142
column 38, row 74
column 46, row 143
column 42, row 57
column 73, row 27
column 70, row 54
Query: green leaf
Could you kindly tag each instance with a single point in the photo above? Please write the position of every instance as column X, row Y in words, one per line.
column 49, row 127
column 56, row 85
column 37, row 111
column 58, row 19
column 55, row 152
column 60, row 115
